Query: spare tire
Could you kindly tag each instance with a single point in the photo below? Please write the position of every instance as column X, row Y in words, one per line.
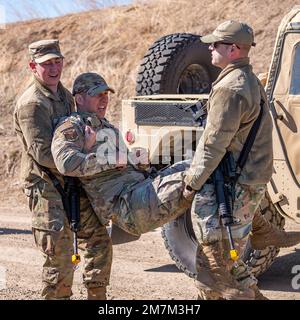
column 176, row 63
column 180, row 241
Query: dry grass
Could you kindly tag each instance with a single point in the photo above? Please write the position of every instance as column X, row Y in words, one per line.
column 112, row 41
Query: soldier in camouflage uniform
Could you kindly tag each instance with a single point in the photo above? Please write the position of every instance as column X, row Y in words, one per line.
column 36, row 114
column 233, row 106
column 121, row 192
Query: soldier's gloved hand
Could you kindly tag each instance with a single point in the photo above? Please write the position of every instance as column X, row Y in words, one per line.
column 89, row 138
column 188, row 193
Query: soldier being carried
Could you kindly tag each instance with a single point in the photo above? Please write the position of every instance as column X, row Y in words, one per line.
column 116, row 186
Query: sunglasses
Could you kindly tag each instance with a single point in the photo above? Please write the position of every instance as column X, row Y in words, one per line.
column 215, row 45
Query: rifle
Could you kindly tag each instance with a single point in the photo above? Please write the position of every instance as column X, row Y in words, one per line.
column 224, row 181
column 72, row 191
column 70, row 196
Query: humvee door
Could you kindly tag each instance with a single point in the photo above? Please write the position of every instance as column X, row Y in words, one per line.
column 283, row 90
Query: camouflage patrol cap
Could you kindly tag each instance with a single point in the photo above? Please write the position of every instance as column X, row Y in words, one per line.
column 232, row 32
column 43, row 50
column 90, row 83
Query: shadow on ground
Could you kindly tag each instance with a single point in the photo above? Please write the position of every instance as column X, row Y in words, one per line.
column 6, row 231
column 164, row 268
column 279, row 277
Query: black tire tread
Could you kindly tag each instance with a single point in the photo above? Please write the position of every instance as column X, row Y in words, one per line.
column 176, row 259
column 153, row 67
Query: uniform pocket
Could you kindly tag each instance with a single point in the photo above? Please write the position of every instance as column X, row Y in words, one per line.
column 45, row 241
column 247, row 200
column 169, row 190
column 46, row 207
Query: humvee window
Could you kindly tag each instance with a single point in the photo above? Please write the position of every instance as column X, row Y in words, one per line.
column 295, row 81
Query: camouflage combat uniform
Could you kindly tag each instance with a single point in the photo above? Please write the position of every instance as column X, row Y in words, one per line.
column 233, row 106
column 128, row 197
column 36, row 113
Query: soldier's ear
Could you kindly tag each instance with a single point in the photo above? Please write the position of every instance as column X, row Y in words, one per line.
column 79, row 99
column 32, row 66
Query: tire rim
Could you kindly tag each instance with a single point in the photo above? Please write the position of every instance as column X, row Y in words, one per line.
column 194, row 79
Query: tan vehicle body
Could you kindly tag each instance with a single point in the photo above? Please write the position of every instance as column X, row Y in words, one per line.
column 283, row 89
column 173, row 141
column 162, row 141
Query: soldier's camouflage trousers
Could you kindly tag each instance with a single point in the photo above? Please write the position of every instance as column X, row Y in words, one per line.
column 207, row 227
column 54, row 238
column 205, row 214
column 153, row 202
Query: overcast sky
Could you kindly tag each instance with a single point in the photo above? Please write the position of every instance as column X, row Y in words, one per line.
column 16, row 10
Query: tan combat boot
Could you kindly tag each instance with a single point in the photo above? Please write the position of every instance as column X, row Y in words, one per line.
column 214, row 280
column 98, row 293
column 265, row 234
column 242, row 274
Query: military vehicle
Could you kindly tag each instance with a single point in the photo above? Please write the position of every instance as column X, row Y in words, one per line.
column 175, row 73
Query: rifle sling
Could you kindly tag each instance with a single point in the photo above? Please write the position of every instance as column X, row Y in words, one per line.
column 249, row 142
column 58, row 187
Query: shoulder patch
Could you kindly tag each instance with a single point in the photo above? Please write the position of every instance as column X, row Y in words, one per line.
column 70, row 134
column 67, row 128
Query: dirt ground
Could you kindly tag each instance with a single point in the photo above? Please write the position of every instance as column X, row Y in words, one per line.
column 141, row 269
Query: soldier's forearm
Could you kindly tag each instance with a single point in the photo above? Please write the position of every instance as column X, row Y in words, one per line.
column 42, row 156
column 78, row 164
column 91, row 165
